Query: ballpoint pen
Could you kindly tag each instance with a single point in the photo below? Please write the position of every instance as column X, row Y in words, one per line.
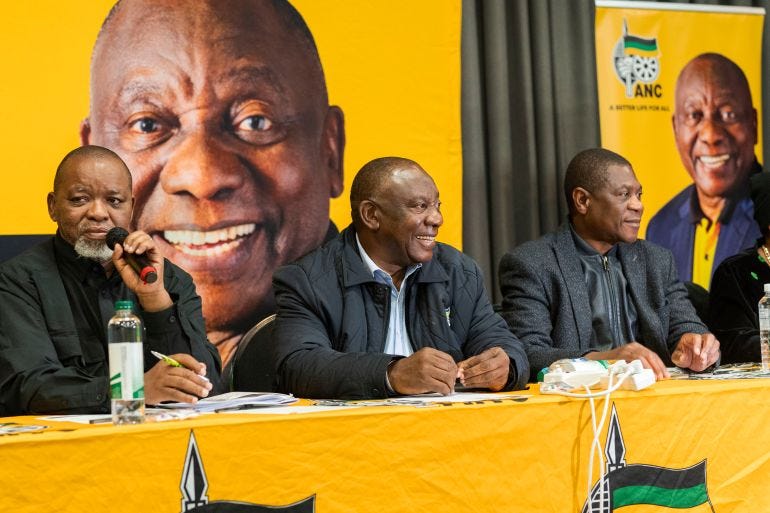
column 170, row 361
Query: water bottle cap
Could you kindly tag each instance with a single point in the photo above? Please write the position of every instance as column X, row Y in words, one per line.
column 767, row 288
column 124, row 305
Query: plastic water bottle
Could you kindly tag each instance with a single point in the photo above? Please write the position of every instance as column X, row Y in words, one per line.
column 124, row 337
column 764, row 327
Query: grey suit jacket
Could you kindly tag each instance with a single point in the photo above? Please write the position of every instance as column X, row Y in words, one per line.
column 546, row 304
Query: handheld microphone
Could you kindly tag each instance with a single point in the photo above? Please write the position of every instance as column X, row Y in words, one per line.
column 138, row 263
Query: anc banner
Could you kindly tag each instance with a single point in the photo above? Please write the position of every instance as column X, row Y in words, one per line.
column 392, row 67
column 641, row 49
column 219, row 110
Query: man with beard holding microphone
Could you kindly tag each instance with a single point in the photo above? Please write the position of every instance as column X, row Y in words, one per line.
column 56, row 300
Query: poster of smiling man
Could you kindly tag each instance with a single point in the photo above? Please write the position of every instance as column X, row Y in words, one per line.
column 242, row 123
column 684, row 108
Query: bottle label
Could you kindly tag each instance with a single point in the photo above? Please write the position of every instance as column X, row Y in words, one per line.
column 126, row 370
column 764, row 318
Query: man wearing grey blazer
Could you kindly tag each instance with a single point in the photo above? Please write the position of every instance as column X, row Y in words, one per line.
column 592, row 289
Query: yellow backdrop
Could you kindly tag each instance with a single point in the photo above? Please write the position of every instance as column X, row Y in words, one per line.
column 639, row 128
column 393, row 67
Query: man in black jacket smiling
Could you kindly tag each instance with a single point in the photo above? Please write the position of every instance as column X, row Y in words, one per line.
column 384, row 309
column 57, row 298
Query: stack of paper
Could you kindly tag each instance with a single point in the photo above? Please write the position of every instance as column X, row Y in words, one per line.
column 236, row 400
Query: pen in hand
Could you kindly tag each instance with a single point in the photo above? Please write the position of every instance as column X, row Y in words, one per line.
column 170, row 361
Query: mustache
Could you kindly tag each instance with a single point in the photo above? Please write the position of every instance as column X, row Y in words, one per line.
column 87, row 227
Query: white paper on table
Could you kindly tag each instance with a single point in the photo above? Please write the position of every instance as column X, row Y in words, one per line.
column 233, row 400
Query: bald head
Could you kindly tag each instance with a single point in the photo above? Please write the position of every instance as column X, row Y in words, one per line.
column 287, row 13
column 102, row 157
column 717, row 69
column 219, row 23
column 589, row 170
column 374, row 177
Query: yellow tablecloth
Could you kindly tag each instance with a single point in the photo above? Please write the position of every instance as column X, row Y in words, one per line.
column 526, row 455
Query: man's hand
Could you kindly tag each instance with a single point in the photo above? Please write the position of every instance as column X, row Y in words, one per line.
column 696, row 352
column 427, row 370
column 179, row 384
column 152, row 296
column 486, row 370
column 634, row 351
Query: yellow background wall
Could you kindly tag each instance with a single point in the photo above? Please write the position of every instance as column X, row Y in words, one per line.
column 393, row 67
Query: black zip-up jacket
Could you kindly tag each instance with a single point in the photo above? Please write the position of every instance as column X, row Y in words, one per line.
column 332, row 321
column 45, row 364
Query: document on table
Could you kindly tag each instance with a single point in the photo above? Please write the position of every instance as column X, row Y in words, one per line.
column 236, row 400
column 150, row 414
column 422, row 400
column 456, row 397
column 749, row 370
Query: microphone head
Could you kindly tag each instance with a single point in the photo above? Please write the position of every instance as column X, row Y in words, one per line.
column 116, row 236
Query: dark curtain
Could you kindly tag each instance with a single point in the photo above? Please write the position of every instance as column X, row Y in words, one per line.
column 529, row 103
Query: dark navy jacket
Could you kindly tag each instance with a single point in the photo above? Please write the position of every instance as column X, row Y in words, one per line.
column 332, row 321
column 673, row 228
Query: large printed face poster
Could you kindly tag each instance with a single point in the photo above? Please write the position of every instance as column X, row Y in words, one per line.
column 220, row 110
column 680, row 98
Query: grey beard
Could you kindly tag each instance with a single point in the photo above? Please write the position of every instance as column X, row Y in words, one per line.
column 93, row 249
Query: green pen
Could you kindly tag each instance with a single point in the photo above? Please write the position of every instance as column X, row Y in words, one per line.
column 170, row 361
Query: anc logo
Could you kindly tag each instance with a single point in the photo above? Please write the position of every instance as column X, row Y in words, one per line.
column 624, row 485
column 636, row 59
column 194, row 486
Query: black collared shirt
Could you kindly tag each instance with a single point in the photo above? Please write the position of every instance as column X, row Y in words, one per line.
column 92, row 296
column 613, row 314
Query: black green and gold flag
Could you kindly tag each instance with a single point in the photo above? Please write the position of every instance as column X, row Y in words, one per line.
column 650, row 484
column 640, row 43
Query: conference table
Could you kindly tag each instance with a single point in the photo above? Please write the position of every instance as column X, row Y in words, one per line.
column 699, row 444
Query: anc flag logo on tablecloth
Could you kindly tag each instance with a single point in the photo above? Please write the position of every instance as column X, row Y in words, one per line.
column 649, row 484
column 626, row 485
column 195, row 485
